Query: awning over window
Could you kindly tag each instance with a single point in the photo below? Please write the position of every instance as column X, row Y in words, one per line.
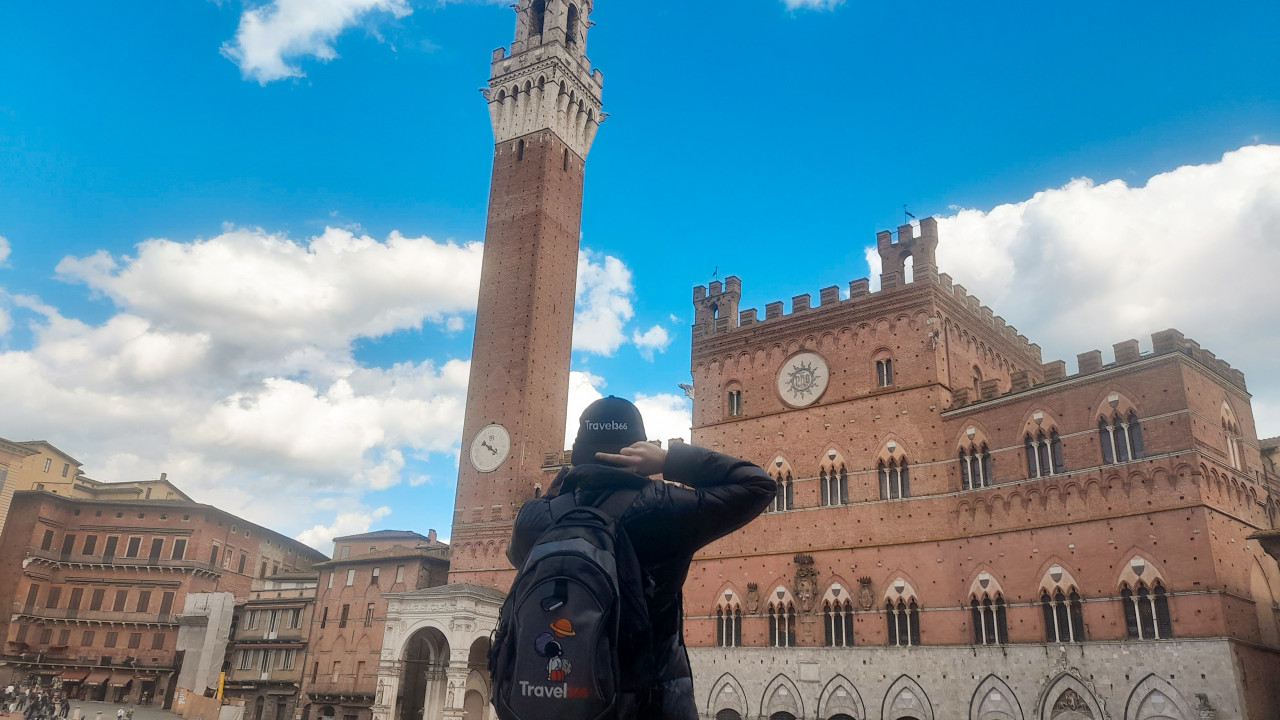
column 120, row 680
column 74, row 675
column 97, row 677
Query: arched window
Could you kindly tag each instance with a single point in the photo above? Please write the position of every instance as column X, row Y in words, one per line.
column 734, row 399
column 895, row 479
column 1134, row 429
column 1146, row 612
column 977, row 383
column 1120, row 438
column 782, row 625
column 539, row 17
column 729, row 626
column 566, row 160
column 1063, row 618
column 989, row 624
column 785, row 499
column 903, row 622
column 837, row 620
column 520, row 151
column 571, row 30
column 975, row 468
column 834, row 486
column 884, row 372
column 1044, row 454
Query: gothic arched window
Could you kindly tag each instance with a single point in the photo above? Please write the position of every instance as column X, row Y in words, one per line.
column 975, row 468
column 895, row 479
column 1146, row 612
column 884, row 372
column 990, row 626
column 782, row 625
column 1063, row 619
column 785, row 499
column 539, row 17
column 837, row 620
column 904, row 622
column 1044, row 454
column 571, row 30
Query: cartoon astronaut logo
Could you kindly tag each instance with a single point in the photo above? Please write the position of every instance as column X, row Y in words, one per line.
column 548, row 645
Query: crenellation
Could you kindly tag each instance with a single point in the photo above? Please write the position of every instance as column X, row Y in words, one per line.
column 988, row 315
column 961, row 295
column 944, row 281
column 1054, row 371
column 1020, row 380
column 773, row 310
column 800, row 303
column 990, row 389
column 750, row 316
column 1126, row 352
column 1089, row 362
column 859, row 288
column 829, row 296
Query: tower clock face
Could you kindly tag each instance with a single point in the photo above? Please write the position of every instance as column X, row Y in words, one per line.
column 802, row 379
column 490, row 447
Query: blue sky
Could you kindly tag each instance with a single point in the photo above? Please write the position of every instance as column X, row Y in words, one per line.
column 165, row 172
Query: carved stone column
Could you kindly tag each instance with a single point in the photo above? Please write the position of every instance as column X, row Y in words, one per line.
column 384, row 700
column 455, row 688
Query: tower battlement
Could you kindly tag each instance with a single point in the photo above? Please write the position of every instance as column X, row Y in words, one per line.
column 1162, row 343
column 547, row 82
column 716, row 305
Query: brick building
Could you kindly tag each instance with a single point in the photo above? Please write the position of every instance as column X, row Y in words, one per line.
column 963, row 531
column 40, row 465
column 349, row 619
column 269, row 645
column 98, row 586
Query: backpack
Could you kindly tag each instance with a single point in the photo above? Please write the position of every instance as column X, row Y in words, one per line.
column 574, row 640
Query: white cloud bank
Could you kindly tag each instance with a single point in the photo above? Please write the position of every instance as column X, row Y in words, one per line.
column 272, row 37
column 1087, row 265
column 229, row 364
column 351, row 522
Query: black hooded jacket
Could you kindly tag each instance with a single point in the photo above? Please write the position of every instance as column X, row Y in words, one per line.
column 666, row 523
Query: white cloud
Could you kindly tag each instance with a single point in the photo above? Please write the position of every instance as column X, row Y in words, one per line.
column 655, row 339
column 272, row 37
column 584, row 389
column 812, row 4
column 4, row 249
column 268, row 294
column 349, row 522
column 875, row 268
column 604, row 293
column 666, row 416
column 1087, row 265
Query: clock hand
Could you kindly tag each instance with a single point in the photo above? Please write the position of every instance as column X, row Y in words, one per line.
column 492, row 449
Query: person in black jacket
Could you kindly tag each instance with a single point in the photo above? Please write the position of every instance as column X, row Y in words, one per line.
column 666, row 522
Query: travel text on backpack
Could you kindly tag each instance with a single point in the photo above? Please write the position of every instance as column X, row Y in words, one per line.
column 574, row 640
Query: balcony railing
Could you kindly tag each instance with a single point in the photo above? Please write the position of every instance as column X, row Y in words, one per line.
column 120, row 561
column 140, row 618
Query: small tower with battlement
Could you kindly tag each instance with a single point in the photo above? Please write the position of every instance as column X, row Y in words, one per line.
column 716, row 308
column 920, row 248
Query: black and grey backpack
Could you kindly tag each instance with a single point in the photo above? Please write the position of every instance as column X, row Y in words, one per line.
column 574, row 641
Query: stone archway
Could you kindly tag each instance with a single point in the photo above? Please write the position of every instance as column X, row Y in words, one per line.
column 442, row 631
column 422, row 675
column 906, row 700
column 1069, row 698
column 1156, row 699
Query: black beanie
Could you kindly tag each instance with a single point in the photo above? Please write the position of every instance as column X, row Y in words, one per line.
column 607, row 425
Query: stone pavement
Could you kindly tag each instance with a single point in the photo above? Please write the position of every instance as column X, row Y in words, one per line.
column 89, row 711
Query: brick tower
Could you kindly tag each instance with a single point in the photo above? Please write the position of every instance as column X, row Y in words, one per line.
column 544, row 102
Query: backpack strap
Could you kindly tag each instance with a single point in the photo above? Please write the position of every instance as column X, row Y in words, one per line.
column 562, row 504
column 618, row 502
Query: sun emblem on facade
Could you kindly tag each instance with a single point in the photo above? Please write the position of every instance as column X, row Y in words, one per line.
column 803, row 379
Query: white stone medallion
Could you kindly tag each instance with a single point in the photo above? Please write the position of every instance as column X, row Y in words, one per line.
column 802, row 379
